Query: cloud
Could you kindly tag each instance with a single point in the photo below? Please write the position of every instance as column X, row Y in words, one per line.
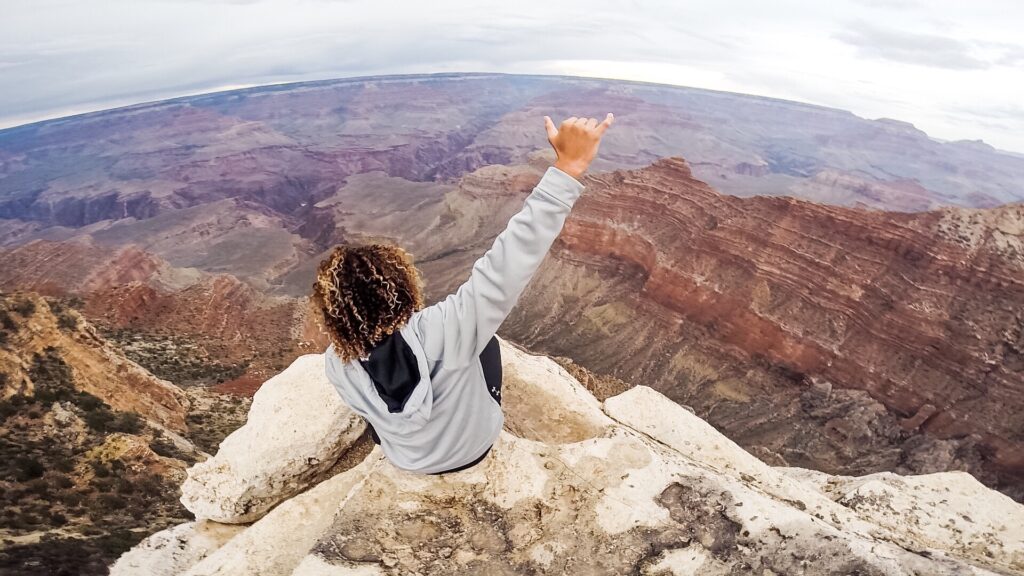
column 64, row 56
column 912, row 48
column 1011, row 112
column 889, row 4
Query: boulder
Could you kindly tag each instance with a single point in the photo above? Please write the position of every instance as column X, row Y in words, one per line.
column 170, row 552
column 277, row 542
column 297, row 428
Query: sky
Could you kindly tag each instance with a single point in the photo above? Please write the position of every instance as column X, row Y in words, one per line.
column 953, row 68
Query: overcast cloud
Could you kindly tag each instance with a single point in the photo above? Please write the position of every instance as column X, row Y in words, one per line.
column 953, row 68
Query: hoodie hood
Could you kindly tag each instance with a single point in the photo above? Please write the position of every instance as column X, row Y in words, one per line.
column 391, row 385
column 394, row 370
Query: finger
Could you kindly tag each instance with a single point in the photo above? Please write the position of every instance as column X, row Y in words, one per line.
column 591, row 123
column 607, row 122
column 569, row 121
column 550, row 127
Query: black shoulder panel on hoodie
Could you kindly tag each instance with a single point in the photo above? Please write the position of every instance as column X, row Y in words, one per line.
column 393, row 367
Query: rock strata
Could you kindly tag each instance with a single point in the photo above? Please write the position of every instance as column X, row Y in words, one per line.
column 854, row 341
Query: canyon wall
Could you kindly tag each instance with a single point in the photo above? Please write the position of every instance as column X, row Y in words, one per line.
column 848, row 340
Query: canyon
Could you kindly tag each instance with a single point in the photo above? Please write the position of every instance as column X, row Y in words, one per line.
column 899, row 336
column 92, row 445
column 830, row 292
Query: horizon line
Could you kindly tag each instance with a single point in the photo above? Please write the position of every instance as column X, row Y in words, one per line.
column 224, row 89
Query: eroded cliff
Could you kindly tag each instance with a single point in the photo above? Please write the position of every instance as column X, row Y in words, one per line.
column 840, row 339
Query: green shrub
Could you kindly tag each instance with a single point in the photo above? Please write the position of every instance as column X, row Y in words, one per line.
column 66, row 321
column 127, row 422
column 8, row 408
column 62, row 463
column 124, row 486
column 99, row 420
column 103, row 484
column 112, row 501
column 100, row 469
column 149, row 487
column 7, row 323
column 119, row 541
column 167, row 449
column 27, row 468
column 87, row 402
column 72, row 499
column 25, row 307
column 52, row 377
column 38, row 486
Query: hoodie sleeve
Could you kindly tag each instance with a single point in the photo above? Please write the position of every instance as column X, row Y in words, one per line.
column 456, row 329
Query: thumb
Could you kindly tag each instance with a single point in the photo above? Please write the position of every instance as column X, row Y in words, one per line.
column 550, row 126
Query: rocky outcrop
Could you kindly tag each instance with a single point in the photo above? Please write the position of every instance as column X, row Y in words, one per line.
column 853, row 341
column 173, row 551
column 93, row 447
column 639, row 485
column 297, row 429
column 31, row 329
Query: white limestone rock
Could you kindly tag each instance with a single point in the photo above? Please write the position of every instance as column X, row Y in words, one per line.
column 297, row 429
column 277, row 542
column 950, row 510
column 616, row 504
column 170, row 552
column 543, row 402
column 645, row 487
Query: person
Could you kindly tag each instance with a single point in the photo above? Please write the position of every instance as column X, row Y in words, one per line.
column 427, row 380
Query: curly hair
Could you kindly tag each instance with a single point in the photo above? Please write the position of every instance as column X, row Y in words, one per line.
column 364, row 294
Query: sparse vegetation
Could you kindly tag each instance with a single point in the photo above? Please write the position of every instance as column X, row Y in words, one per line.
column 213, row 417
column 50, row 482
column 24, row 306
column 54, row 383
column 7, row 326
column 7, row 321
column 58, row 480
column 180, row 360
column 64, row 309
column 168, row 449
column 67, row 556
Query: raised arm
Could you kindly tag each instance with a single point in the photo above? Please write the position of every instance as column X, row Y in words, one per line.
column 456, row 329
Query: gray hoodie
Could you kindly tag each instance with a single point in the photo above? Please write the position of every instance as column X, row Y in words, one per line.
column 446, row 417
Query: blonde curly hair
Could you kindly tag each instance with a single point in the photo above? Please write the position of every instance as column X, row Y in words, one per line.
column 365, row 293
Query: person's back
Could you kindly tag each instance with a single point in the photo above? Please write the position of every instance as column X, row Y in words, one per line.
column 424, row 378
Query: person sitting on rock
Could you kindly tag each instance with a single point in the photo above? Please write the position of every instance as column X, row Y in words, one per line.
column 427, row 380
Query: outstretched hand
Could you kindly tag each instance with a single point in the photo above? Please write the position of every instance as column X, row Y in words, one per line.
column 576, row 142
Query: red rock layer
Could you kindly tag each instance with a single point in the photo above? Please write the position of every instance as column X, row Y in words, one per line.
column 98, row 368
column 924, row 312
column 129, row 288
